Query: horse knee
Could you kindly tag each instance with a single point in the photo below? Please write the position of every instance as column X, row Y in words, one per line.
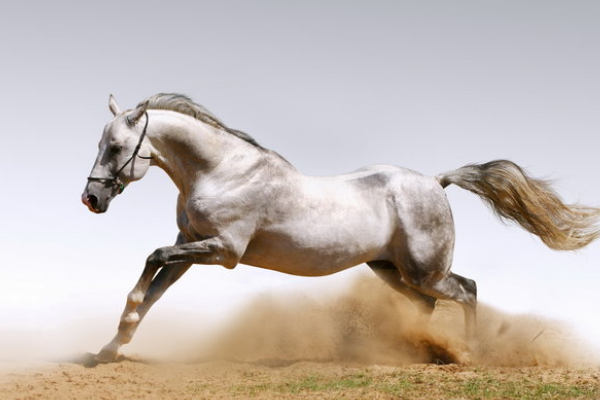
column 469, row 287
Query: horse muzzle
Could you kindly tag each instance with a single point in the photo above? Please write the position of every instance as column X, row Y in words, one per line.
column 93, row 203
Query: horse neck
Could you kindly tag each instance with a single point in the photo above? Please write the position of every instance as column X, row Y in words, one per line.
column 188, row 149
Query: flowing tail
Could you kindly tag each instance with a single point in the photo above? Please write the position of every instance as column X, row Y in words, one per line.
column 531, row 203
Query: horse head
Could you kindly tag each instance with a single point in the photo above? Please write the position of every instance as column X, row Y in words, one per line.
column 119, row 161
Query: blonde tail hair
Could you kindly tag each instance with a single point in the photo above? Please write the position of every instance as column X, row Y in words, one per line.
column 531, row 203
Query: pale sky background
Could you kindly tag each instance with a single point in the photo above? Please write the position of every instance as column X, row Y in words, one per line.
column 330, row 85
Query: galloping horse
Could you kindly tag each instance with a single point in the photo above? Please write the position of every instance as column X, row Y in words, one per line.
column 242, row 203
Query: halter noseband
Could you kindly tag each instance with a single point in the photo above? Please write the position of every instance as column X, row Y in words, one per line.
column 115, row 182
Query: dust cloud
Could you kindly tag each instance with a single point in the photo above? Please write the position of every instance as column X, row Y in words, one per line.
column 363, row 321
column 372, row 324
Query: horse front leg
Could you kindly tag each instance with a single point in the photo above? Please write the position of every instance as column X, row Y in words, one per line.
column 173, row 262
column 135, row 312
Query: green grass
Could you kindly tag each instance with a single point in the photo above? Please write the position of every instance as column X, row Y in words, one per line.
column 416, row 385
column 314, row 383
column 525, row 389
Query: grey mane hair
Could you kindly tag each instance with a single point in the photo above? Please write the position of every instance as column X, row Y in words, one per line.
column 184, row 105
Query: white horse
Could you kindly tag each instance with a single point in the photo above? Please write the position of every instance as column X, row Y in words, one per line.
column 241, row 203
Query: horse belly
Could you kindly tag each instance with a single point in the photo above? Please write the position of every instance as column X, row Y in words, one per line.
column 320, row 246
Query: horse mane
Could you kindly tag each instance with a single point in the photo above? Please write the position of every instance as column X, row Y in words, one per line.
column 184, row 105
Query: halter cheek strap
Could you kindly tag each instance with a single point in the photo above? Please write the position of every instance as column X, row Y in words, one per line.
column 115, row 182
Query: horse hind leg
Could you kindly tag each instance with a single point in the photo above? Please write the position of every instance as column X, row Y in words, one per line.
column 453, row 287
column 388, row 272
column 468, row 299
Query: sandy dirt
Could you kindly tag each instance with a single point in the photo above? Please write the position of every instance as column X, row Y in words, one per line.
column 367, row 342
column 301, row 380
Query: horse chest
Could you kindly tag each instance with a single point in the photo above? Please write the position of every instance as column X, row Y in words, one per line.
column 205, row 217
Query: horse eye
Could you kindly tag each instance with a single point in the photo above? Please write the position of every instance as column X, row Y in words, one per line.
column 115, row 149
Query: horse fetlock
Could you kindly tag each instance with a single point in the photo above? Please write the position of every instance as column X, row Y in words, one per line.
column 132, row 317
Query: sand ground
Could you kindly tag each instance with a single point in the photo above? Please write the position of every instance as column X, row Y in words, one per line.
column 345, row 346
column 297, row 380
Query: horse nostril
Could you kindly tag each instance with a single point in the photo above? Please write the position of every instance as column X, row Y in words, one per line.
column 93, row 200
column 90, row 200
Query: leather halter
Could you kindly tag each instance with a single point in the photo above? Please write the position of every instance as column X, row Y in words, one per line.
column 115, row 182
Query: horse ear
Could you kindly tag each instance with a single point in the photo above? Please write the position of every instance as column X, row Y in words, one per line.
column 136, row 114
column 113, row 106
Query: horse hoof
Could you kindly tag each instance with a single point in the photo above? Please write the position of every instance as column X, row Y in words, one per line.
column 106, row 356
